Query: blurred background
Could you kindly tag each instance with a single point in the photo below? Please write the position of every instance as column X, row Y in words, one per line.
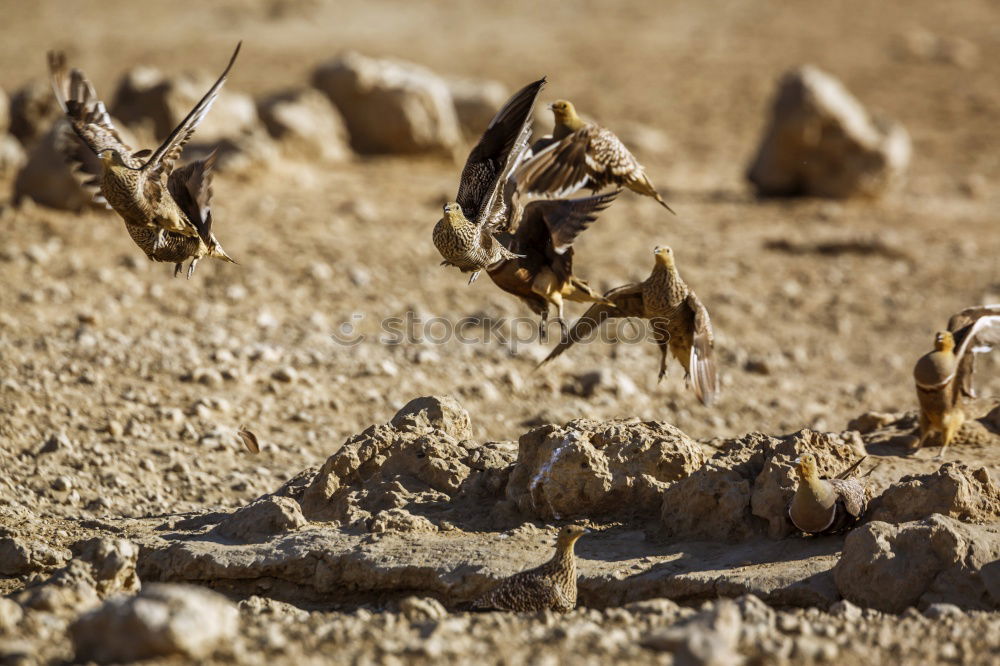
column 821, row 303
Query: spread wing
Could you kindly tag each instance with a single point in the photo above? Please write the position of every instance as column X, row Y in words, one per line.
column 191, row 188
column 497, row 151
column 961, row 326
column 704, row 374
column 162, row 160
column 567, row 218
column 93, row 131
column 591, row 156
column 625, row 301
column 981, row 335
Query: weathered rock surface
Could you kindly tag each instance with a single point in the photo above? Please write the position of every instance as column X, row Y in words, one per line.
column 390, row 106
column 101, row 568
column 417, row 462
column 744, row 490
column 22, row 555
column 306, row 125
column 592, row 469
column 476, row 102
column 262, row 519
column 822, row 142
column 146, row 97
column 162, row 621
column 934, row 560
column 12, row 156
column 955, row 490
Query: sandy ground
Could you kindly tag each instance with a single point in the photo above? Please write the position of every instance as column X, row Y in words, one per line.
column 146, row 376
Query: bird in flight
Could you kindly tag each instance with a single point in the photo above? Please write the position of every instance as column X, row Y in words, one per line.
column 166, row 210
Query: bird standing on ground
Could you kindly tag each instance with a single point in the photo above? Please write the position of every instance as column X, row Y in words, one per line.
column 465, row 234
column 826, row 506
column 579, row 155
column 551, row 586
column 679, row 321
column 944, row 375
column 543, row 276
column 167, row 211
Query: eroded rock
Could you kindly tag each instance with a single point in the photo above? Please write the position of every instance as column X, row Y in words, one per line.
column 47, row 177
column 390, row 106
column 12, row 156
column 262, row 519
column 306, row 125
column 589, row 469
column 822, row 142
column 744, row 490
column 102, row 568
column 937, row 559
column 476, row 102
column 956, row 490
column 21, row 555
column 33, row 109
column 163, row 620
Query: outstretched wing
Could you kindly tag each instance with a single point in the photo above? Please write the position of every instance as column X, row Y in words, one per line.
column 567, row 218
column 960, row 325
column 191, row 188
column 489, row 162
column 163, row 158
column 625, row 301
column 704, row 373
column 93, row 131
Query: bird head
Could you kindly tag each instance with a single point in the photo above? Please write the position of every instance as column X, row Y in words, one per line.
column 111, row 157
column 453, row 211
column 563, row 110
column 806, row 466
column 944, row 341
column 569, row 534
column 664, row 255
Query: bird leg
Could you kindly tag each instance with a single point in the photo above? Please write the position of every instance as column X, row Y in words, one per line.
column 190, row 272
column 952, row 424
column 474, row 277
column 160, row 240
column 177, row 269
column 543, row 326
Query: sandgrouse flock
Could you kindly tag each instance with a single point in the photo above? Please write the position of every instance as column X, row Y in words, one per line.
column 516, row 216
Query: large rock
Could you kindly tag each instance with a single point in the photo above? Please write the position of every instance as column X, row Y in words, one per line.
column 587, row 469
column 935, row 560
column 162, row 621
column 822, row 142
column 146, row 97
column 422, row 458
column 22, row 555
column 744, row 490
column 101, row 568
column 306, row 125
column 390, row 106
column 262, row 519
column 954, row 490
column 12, row 156
column 33, row 109
column 476, row 102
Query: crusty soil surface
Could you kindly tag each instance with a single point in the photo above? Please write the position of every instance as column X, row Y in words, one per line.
column 140, row 379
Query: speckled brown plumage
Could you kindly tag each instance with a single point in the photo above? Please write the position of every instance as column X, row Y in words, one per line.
column 582, row 155
column 465, row 234
column 679, row 321
column 826, row 506
column 543, row 275
column 166, row 211
column 551, row 586
column 945, row 375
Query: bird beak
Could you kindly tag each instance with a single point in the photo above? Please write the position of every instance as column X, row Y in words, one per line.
column 797, row 460
column 549, row 107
